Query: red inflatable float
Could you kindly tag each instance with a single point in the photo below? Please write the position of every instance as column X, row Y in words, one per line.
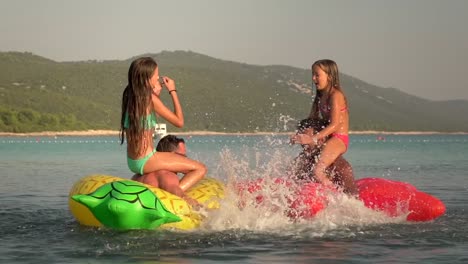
column 391, row 197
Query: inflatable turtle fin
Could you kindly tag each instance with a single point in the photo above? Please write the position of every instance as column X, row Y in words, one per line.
column 87, row 200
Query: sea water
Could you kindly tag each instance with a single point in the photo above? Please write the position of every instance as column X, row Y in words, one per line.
column 37, row 227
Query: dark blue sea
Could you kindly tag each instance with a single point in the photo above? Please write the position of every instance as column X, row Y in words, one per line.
column 37, row 227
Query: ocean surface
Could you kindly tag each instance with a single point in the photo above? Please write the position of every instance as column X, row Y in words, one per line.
column 37, row 227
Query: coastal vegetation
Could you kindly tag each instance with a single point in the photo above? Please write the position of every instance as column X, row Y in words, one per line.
column 39, row 94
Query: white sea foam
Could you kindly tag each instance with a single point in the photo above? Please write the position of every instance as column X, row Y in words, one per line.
column 246, row 213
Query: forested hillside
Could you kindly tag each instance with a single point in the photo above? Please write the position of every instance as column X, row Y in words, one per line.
column 38, row 94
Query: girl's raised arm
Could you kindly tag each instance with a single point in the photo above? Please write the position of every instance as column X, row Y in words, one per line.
column 175, row 117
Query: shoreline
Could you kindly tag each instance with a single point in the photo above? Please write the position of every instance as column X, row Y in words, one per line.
column 212, row 133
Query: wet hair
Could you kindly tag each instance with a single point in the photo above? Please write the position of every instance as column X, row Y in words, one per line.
column 169, row 143
column 304, row 124
column 136, row 99
column 331, row 69
column 304, row 163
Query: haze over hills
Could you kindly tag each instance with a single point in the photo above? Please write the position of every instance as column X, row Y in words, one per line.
column 38, row 94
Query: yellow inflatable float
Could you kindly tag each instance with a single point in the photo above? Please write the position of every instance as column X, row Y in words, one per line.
column 113, row 202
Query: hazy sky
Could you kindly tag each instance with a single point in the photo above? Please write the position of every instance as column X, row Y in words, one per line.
column 417, row 46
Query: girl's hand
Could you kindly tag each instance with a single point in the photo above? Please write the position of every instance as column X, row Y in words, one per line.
column 294, row 138
column 304, row 139
column 192, row 202
column 308, row 131
column 168, row 83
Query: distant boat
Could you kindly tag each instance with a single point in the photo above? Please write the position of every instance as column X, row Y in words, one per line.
column 160, row 131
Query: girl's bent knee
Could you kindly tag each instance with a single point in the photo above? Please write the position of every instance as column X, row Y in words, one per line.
column 203, row 170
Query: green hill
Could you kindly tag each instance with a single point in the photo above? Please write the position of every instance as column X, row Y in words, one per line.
column 38, row 94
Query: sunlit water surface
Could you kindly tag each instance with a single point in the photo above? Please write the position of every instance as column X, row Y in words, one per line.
column 37, row 227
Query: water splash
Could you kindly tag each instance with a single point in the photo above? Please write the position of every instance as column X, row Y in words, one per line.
column 287, row 122
column 266, row 208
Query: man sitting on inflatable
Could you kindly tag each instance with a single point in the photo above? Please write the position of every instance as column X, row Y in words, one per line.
column 164, row 179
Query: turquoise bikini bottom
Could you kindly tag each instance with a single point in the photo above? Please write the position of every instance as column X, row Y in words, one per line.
column 137, row 165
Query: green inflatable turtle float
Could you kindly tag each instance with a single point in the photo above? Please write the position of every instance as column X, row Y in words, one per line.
column 126, row 205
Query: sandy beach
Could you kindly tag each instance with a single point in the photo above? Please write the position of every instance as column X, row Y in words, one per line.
column 205, row 133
